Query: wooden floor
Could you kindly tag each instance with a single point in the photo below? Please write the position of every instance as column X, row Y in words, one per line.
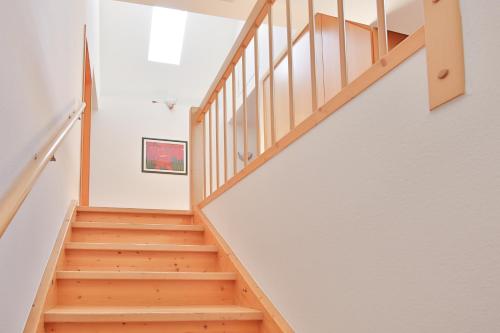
column 143, row 272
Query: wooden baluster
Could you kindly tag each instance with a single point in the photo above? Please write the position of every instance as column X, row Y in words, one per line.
column 271, row 75
column 257, row 91
column 210, row 148
column 342, row 44
column 224, row 103
column 217, row 149
column 291, row 107
column 235, row 141
column 382, row 29
column 312, row 46
column 204, row 157
column 245, row 111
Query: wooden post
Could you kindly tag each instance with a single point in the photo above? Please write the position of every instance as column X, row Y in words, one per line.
column 245, row 111
column 224, row 103
column 271, row 75
column 210, row 147
column 86, row 127
column 217, row 150
column 291, row 107
column 445, row 51
column 342, row 44
column 204, row 157
column 235, row 140
column 257, row 91
column 312, row 46
column 382, row 29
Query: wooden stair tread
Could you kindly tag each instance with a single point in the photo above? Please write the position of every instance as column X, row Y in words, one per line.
column 136, row 226
column 140, row 247
column 73, row 314
column 131, row 275
column 136, row 211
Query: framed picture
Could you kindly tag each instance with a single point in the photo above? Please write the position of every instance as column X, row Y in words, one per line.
column 164, row 156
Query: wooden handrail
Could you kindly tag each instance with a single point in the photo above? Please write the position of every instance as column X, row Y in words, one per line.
column 23, row 184
column 248, row 31
column 267, row 95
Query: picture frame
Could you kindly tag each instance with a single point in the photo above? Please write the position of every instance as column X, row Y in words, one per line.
column 164, row 156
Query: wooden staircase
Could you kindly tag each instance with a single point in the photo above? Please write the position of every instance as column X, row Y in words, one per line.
column 145, row 272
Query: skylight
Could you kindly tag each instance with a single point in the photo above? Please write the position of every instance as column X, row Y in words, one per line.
column 167, row 35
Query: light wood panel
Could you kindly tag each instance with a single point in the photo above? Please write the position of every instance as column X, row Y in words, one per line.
column 445, row 51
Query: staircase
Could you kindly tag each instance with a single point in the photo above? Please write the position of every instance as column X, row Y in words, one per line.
column 144, row 272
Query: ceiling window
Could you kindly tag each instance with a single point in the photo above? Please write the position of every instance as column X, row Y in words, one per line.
column 167, row 35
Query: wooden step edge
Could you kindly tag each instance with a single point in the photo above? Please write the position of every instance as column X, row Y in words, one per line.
column 137, row 226
column 132, row 275
column 139, row 247
column 151, row 314
column 112, row 210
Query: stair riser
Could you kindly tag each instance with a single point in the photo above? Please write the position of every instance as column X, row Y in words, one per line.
column 133, row 218
column 92, row 260
column 176, row 327
column 144, row 292
column 136, row 236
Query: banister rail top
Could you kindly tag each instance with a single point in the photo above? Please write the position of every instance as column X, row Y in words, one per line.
column 22, row 185
column 244, row 38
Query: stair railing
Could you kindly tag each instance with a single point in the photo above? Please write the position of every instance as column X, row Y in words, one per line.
column 23, row 184
column 244, row 93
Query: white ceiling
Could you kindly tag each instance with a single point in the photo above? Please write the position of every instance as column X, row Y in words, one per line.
column 126, row 71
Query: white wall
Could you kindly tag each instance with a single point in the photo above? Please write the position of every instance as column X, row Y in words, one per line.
column 40, row 83
column 116, row 176
column 384, row 218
